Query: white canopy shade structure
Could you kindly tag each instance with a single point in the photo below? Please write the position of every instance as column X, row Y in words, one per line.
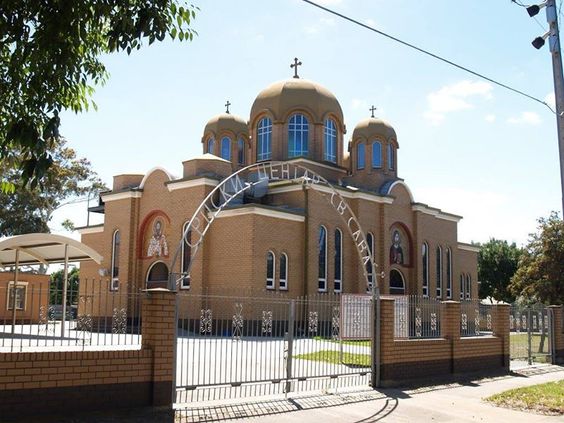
column 40, row 248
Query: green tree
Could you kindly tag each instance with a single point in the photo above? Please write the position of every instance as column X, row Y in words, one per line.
column 30, row 209
column 56, row 286
column 540, row 275
column 497, row 263
column 50, row 61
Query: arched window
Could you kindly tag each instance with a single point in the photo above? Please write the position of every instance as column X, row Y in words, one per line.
column 241, row 152
column 158, row 273
column 449, row 273
column 461, row 286
column 210, row 146
column 322, row 259
column 360, row 156
column 338, row 274
column 370, row 242
column 114, row 281
column 397, row 284
column 425, row 268
column 439, row 269
column 468, row 286
column 376, row 154
column 185, row 257
column 270, row 270
column 264, row 139
column 298, row 128
column 283, row 280
column 330, row 144
column 226, row 148
column 391, row 158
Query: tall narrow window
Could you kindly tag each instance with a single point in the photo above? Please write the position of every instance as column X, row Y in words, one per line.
column 241, row 152
column 468, row 286
column 370, row 242
column 270, row 270
column 322, row 259
column 425, row 268
column 330, row 144
column 376, row 155
column 283, row 280
column 391, row 158
column 461, row 286
column 360, row 156
column 226, row 148
column 210, row 146
column 17, row 294
column 114, row 282
column 449, row 273
column 338, row 274
column 186, row 257
column 264, row 139
column 439, row 270
column 298, row 128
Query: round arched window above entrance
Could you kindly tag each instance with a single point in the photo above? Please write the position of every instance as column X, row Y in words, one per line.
column 397, row 284
column 157, row 275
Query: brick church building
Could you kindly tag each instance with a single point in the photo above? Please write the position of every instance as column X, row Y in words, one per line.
column 287, row 239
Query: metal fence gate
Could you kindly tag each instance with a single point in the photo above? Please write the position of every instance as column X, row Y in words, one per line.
column 230, row 347
column 530, row 333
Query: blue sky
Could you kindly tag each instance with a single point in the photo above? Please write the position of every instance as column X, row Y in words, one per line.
column 466, row 146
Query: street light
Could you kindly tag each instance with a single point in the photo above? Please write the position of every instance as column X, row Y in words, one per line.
column 535, row 9
column 539, row 41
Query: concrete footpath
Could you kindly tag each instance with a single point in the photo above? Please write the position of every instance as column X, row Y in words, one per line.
column 443, row 403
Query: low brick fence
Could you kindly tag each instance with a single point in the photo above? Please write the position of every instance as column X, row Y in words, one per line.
column 49, row 382
column 412, row 360
column 558, row 338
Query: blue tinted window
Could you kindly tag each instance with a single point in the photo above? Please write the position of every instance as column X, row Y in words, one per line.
column 330, row 144
column 241, row 152
column 360, row 153
column 226, row 148
column 391, row 158
column 297, row 136
column 210, row 146
column 264, row 139
column 376, row 154
column 322, row 259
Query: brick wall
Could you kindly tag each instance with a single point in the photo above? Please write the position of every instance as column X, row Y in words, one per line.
column 49, row 382
column 407, row 361
column 558, row 339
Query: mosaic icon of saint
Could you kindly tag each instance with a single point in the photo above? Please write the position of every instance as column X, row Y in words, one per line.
column 396, row 252
column 157, row 244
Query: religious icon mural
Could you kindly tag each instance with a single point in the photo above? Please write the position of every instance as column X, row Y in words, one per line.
column 155, row 242
column 396, row 250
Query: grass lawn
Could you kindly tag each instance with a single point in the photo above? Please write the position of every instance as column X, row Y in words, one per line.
column 547, row 398
column 328, row 356
column 363, row 343
column 518, row 343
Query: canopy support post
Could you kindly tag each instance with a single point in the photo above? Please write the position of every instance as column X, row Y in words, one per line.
column 14, row 290
column 65, row 284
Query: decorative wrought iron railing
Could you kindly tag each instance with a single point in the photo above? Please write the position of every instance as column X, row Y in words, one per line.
column 417, row 317
column 94, row 317
column 475, row 318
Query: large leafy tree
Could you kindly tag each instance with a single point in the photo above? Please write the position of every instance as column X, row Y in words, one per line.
column 57, row 286
column 50, row 61
column 540, row 275
column 29, row 209
column 497, row 263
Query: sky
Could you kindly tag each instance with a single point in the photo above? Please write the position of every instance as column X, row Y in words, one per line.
column 466, row 146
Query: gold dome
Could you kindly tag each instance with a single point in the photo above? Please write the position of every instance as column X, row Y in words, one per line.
column 283, row 97
column 371, row 127
column 226, row 122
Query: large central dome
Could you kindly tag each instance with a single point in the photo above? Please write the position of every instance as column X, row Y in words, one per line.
column 286, row 96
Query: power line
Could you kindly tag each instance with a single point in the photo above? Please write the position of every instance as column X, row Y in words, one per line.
column 433, row 55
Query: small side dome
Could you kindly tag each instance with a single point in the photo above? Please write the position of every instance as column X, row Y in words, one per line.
column 280, row 98
column 226, row 122
column 368, row 128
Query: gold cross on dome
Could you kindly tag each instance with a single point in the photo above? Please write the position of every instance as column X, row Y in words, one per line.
column 373, row 109
column 227, row 106
column 295, row 66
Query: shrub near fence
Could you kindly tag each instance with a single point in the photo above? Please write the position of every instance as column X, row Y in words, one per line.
column 94, row 318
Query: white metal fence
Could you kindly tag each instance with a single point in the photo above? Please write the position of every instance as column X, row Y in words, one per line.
column 417, row 317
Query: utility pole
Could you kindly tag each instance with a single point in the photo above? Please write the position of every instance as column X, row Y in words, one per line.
column 554, row 44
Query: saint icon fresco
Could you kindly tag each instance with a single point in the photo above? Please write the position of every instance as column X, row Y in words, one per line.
column 396, row 252
column 157, row 244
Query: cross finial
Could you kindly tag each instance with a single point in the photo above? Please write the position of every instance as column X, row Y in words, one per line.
column 373, row 109
column 227, row 106
column 295, row 66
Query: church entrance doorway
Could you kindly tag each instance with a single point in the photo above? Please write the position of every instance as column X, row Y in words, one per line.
column 397, row 283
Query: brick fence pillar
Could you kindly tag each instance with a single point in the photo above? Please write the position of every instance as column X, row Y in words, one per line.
column 450, row 328
column 558, row 331
column 500, row 328
column 158, row 328
column 386, row 340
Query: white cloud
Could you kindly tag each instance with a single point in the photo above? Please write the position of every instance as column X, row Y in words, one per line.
column 358, row 103
column 525, row 118
column 490, row 118
column 370, row 22
column 454, row 97
column 551, row 100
